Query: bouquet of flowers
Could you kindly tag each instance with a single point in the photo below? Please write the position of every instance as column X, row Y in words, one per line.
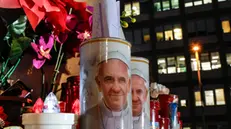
column 46, row 26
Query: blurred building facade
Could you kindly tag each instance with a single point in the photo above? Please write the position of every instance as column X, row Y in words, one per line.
column 164, row 33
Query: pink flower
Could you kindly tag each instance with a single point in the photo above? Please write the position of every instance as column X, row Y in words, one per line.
column 84, row 36
column 42, row 49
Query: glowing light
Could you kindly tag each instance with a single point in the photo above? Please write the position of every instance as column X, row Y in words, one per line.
column 38, row 106
column 196, row 48
column 51, row 104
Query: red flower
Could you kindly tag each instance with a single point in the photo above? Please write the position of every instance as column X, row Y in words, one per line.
column 3, row 117
column 1, row 110
column 58, row 19
column 76, row 5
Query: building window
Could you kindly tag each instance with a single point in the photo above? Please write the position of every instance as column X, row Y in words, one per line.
column 201, row 27
column 160, row 36
column 146, row 35
column 181, row 64
column 137, row 36
column 132, row 9
column 220, row 97
column 175, row 4
column 215, row 60
column 207, row 1
column 226, row 26
column 136, row 8
column 205, row 63
column 169, row 33
column 165, row 5
column 221, row 0
column 171, row 65
column 208, row 61
column 157, row 6
column 162, row 66
column 128, row 35
column 127, row 9
column 228, row 59
column 183, row 103
column 210, row 26
column 197, row 2
column 197, row 98
column 194, row 63
column 190, row 3
column 209, row 98
column 177, row 32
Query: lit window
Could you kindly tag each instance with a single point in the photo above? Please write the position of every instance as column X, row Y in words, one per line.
column 209, row 98
column 215, row 60
column 199, row 2
column 136, row 8
column 188, row 4
column 221, row 0
column 168, row 35
column 160, row 36
column 226, row 26
column 220, row 97
column 157, row 6
column 159, row 33
column 228, row 59
column 175, row 4
column 146, row 35
column 205, row 63
column 162, row 66
column 181, row 64
column 127, row 9
column 166, row 5
column 146, row 38
column 194, row 63
column 197, row 98
column 171, row 65
column 177, row 32
column 207, row 1
column 183, row 103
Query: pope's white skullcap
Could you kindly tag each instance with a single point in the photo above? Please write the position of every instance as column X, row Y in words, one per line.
column 140, row 67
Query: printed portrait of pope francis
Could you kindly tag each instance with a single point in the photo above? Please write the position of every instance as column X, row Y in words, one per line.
column 113, row 81
column 140, row 85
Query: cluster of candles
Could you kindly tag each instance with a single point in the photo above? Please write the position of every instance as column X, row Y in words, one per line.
column 164, row 114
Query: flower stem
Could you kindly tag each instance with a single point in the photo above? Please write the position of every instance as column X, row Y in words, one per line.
column 15, row 66
column 56, row 74
column 43, row 84
column 59, row 54
column 58, row 64
column 11, row 70
column 5, row 64
column 56, row 70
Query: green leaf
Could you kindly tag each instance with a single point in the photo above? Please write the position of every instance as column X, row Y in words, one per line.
column 24, row 42
column 18, row 46
column 18, row 27
column 16, row 50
